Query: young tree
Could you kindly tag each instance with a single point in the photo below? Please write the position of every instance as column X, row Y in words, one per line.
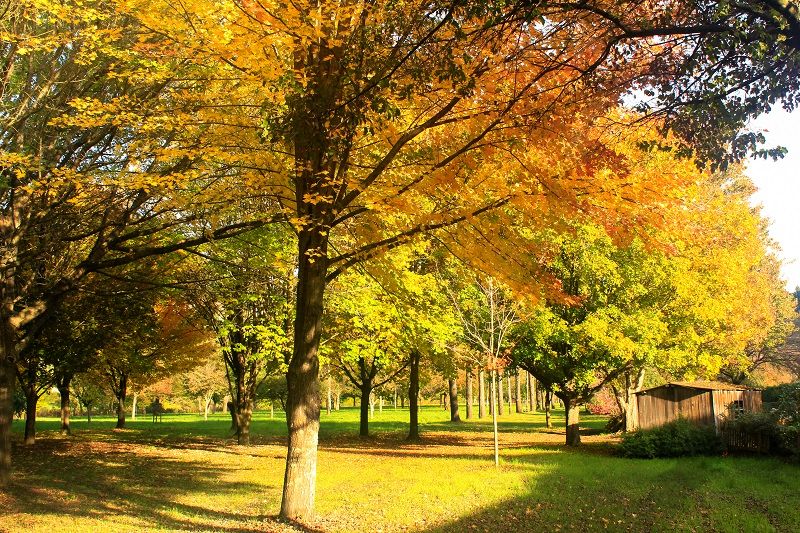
column 206, row 380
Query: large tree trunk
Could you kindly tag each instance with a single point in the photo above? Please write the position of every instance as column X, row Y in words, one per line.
column 626, row 399
column 121, row 394
column 453, row 386
column 8, row 377
column 468, row 392
column 64, row 391
column 518, row 390
column 244, row 415
column 481, row 394
column 366, row 404
column 573, row 411
column 413, row 397
column 31, row 401
column 302, row 378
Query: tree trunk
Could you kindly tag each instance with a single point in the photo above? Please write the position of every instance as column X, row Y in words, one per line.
column 468, row 392
column 302, row 378
column 337, row 397
column 121, row 394
column 371, row 399
column 395, row 396
column 518, row 390
column 330, row 397
column 508, row 381
column 494, row 419
column 31, row 400
column 481, row 394
column 548, row 406
column 413, row 398
column 531, row 393
column 454, row 416
column 207, row 403
column 500, row 399
column 626, row 399
column 363, row 427
column 89, row 413
column 380, row 403
column 63, row 390
column 8, row 379
column 572, row 410
column 133, row 407
column 244, row 416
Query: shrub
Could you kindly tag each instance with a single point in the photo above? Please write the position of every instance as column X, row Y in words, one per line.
column 784, row 439
column 676, row 439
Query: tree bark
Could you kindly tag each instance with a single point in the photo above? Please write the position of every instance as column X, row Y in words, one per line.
column 626, row 399
column 572, row 410
column 481, row 394
column 8, row 377
column 121, row 394
column 64, row 391
column 413, row 397
column 518, row 390
column 31, row 401
column 500, row 399
column 453, row 386
column 302, row 378
column 363, row 427
column 468, row 392
column 133, row 407
column 548, row 406
column 531, row 392
column 244, row 415
column 330, row 397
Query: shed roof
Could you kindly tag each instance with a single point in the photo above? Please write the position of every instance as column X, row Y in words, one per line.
column 702, row 385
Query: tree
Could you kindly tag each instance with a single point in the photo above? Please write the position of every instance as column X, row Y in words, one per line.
column 206, row 380
column 356, row 91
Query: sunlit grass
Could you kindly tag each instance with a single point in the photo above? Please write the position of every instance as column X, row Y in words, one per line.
column 186, row 474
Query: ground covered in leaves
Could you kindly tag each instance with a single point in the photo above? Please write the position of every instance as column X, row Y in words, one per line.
column 185, row 474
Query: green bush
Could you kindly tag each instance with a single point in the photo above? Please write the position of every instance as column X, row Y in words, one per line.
column 784, row 439
column 676, row 439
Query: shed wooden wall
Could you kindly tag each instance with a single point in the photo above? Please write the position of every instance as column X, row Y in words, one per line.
column 703, row 407
column 665, row 404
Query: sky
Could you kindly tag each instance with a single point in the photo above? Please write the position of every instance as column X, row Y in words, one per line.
column 778, row 185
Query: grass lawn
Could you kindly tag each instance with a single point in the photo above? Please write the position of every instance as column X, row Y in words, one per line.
column 186, row 474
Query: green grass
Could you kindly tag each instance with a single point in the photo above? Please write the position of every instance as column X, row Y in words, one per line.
column 186, row 474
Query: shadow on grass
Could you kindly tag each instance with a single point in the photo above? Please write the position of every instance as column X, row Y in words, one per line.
column 106, row 480
column 616, row 494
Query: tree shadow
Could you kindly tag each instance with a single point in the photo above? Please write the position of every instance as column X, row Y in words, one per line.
column 114, row 480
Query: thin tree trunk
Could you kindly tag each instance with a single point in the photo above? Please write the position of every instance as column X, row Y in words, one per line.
column 207, row 405
column 531, row 392
column 64, row 390
column 330, row 397
column 363, row 427
column 518, row 390
column 395, row 396
column 572, row 410
column 371, row 399
column 481, row 394
column 468, row 392
column 413, row 397
column 500, row 399
column 508, row 381
column 89, row 413
column 337, row 397
column 453, row 386
column 31, row 401
column 133, row 407
column 122, row 393
column 380, row 403
column 548, row 406
column 494, row 419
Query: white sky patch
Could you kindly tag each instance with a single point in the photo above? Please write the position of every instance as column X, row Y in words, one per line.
column 778, row 185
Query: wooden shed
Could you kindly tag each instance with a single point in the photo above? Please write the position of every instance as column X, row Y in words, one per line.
column 702, row 402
